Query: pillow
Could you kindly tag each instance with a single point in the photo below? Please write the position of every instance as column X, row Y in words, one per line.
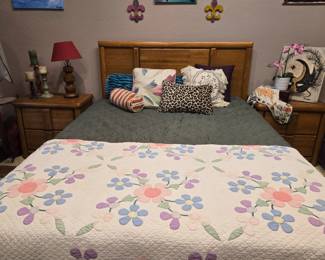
column 181, row 98
column 228, row 70
column 126, row 100
column 216, row 78
column 148, row 83
column 118, row 80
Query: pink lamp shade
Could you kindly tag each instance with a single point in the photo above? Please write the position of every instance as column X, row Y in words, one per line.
column 65, row 51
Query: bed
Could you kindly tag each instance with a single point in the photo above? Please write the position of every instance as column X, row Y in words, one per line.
column 102, row 191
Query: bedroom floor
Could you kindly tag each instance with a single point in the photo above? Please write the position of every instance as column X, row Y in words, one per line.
column 7, row 166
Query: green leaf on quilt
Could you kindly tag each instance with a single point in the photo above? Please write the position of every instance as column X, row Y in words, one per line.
column 211, row 231
column 217, row 169
column 199, row 160
column 217, row 160
column 263, row 184
column 164, row 205
column 174, row 186
column 59, row 224
column 55, row 181
column 200, row 169
column 236, row 233
column 27, row 201
column 112, row 167
column 27, row 175
column 85, row 229
column 100, row 157
column 305, row 210
column 301, row 190
column 94, row 166
column 116, row 158
column 262, row 203
column 128, row 198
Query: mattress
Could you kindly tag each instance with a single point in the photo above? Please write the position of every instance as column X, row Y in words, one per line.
column 75, row 199
column 236, row 124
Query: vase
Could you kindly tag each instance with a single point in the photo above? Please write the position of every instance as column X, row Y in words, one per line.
column 282, row 83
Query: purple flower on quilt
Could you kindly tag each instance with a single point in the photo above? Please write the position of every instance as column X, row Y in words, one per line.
column 74, row 177
column 190, row 184
column 222, row 149
column 247, row 207
column 317, row 222
column 28, row 213
column 252, row 176
column 320, row 205
column 197, row 256
column 173, row 155
column 111, row 202
column 131, row 148
column 174, row 217
column 275, row 157
column 88, row 255
column 315, row 186
column 138, row 173
column 77, row 152
column 54, row 170
column 29, row 168
column 3, row 208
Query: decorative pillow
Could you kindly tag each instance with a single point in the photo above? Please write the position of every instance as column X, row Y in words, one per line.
column 126, row 100
column 148, row 83
column 181, row 98
column 118, row 80
column 228, row 70
column 216, row 78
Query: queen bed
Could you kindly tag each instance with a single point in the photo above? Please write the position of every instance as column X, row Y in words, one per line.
column 154, row 186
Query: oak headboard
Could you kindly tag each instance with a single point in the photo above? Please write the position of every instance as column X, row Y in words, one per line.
column 123, row 57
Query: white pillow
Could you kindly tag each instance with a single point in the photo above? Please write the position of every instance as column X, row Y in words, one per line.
column 215, row 78
column 148, row 83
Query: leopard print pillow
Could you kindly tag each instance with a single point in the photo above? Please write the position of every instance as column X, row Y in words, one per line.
column 181, row 98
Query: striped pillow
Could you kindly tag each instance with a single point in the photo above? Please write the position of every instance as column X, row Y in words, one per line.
column 127, row 100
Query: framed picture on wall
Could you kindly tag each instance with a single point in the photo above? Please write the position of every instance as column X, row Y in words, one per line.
column 304, row 2
column 38, row 4
column 193, row 2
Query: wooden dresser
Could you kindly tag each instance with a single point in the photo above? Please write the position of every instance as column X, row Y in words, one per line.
column 41, row 119
column 305, row 130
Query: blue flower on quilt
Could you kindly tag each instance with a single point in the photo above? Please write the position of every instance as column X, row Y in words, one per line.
column 189, row 202
column 148, row 154
column 120, row 184
column 54, row 170
column 58, row 197
column 166, row 175
column 276, row 220
column 8, row 179
column 320, row 206
column 52, row 149
column 185, row 148
column 240, row 155
column 94, row 146
column 279, row 149
column 2, row 208
column 134, row 213
column 285, row 177
column 241, row 185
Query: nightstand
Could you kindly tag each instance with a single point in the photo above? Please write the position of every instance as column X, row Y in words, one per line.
column 40, row 120
column 305, row 130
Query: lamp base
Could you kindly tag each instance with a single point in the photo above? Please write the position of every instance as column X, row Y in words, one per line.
column 71, row 95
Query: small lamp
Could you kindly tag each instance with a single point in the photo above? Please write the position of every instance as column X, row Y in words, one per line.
column 66, row 51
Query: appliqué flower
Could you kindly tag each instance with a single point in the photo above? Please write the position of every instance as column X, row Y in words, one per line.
column 151, row 193
column 52, row 149
column 284, row 177
column 185, row 148
column 54, row 170
column 29, row 168
column 120, row 184
column 134, row 213
column 252, row 176
column 188, row 202
column 27, row 188
column 58, row 197
column 282, row 197
column 241, row 155
column 94, row 146
column 320, row 206
column 190, row 184
column 167, row 176
column 198, row 256
column 8, row 179
column 314, row 186
column 174, row 217
column 111, row 202
column 28, row 213
column 241, row 185
column 72, row 179
column 131, row 148
column 88, row 255
column 317, row 222
column 250, row 224
column 276, row 220
column 138, row 173
column 148, row 154
column 247, row 207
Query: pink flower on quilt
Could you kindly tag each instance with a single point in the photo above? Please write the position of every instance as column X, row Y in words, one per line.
column 150, row 193
column 250, row 224
column 71, row 141
column 27, row 188
column 157, row 146
column 282, row 197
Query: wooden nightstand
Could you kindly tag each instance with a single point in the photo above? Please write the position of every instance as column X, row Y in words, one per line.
column 40, row 120
column 305, row 130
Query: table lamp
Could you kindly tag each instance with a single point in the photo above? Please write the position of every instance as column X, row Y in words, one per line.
column 66, row 51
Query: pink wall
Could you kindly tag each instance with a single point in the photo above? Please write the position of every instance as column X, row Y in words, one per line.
column 266, row 22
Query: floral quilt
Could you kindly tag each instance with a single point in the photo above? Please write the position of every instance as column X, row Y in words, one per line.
column 75, row 199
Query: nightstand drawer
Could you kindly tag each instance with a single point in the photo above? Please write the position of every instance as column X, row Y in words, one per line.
column 304, row 123
column 303, row 143
column 61, row 118
column 36, row 118
column 35, row 138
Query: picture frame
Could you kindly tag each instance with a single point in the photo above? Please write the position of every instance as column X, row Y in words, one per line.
column 177, row 2
column 304, row 2
column 38, row 4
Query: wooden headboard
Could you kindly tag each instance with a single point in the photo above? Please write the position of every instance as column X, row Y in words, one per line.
column 123, row 57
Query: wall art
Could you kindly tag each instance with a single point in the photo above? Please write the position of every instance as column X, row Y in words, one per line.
column 38, row 4
column 304, row 2
column 136, row 11
column 213, row 11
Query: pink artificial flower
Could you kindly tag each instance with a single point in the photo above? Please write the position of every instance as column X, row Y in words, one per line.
column 282, row 197
column 27, row 188
column 149, row 193
column 298, row 48
column 278, row 64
